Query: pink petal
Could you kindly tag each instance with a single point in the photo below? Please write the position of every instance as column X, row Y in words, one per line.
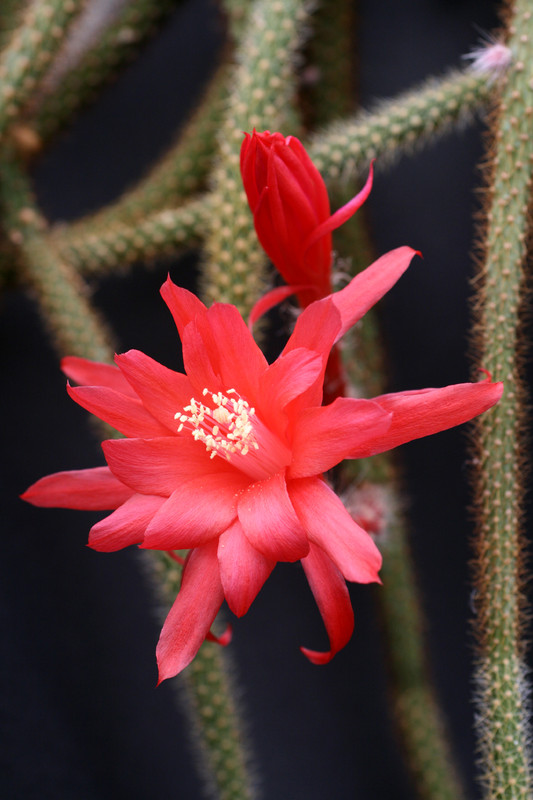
column 94, row 489
column 183, row 305
column 243, row 569
column 126, row 525
column 330, row 526
column 324, row 436
column 92, row 373
column 197, row 347
column 163, row 392
column 316, row 329
column 198, row 510
column 342, row 214
column 427, row 411
column 333, row 601
column 284, row 380
column 159, row 466
column 369, row 286
column 124, row 413
column 270, row 300
column 269, row 521
column 232, row 350
column 193, row 612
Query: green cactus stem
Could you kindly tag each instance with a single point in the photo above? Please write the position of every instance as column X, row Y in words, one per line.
column 120, row 41
column 262, row 94
column 327, row 84
column 398, row 126
column 30, row 51
column 418, row 718
column 119, row 245
column 77, row 330
column 500, row 453
column 182, row 171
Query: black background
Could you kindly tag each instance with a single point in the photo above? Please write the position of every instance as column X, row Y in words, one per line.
column 81, row 714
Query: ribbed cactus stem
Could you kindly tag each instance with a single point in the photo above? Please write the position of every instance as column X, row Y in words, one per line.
column 207, row 692
column 118, row 245
column 262, row 93
column 117, row 44
column 328, row 84
column 181, row 171
column 77, row 331
column 500, row 453
column 30, row 51
column 398, row 126
column 418, row 715
column 60, row 291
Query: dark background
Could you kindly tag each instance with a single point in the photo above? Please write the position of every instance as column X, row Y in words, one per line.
column 81, row 714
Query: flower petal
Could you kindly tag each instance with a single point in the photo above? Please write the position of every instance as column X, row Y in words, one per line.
column 93, row 373
column 243, row 569
column 271, row 299
column 283, row 381
column 198, row 510
column 125, row 413
column 231, row 350
column 333, row 601
column 193, row 612
column 329, row 525
column 94, row 489
column 159, row 466
column 126, row 525
column 183, row 305
column 324, row 436
column 370, row 285
column 316, row 329
column 342, row 214
column 427, row 411
column 269, row 521
column 163, row 392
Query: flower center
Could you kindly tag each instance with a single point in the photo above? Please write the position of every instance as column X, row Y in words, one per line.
column 224, row 426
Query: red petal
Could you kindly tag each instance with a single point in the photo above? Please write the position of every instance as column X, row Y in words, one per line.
column 369, row 286
column 269, row 521
column 93, row 373
column 284, row 380
column 198, row 510
column 426, row 411
column 342, row 214
column 94, row 489
column 270, row 300
column 330, row 526
column 243, row 569
column 193, row 612
column 126, row 414
column 231, row 350
column 163, row 392
column 333, row 601
column 324, row 436
column 126, row 525
column 183, row 305
column 316, row 329
column 158, row 466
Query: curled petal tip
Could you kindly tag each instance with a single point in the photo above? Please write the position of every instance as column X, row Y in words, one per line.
column 224, row 639
column 317, row 657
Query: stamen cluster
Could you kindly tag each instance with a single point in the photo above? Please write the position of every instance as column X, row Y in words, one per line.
column 224, row 429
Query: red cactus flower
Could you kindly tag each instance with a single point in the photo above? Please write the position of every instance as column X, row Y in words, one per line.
column 227, row 460
column 290, row 204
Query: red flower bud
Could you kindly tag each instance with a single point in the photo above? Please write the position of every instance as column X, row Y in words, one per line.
column 290, row 204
